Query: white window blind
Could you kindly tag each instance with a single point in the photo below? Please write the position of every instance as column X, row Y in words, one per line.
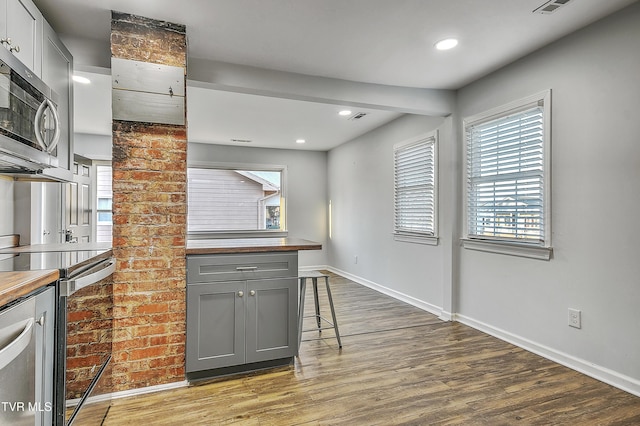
column 506, row 177
column 415, row 188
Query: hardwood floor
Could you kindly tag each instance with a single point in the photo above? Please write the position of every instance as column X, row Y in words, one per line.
column 398, row 365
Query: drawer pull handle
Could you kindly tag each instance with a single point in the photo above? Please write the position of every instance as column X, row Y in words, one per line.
column 252, row 293
column 246, row 268
column 240, row 293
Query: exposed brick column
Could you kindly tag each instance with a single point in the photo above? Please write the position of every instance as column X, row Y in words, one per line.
column 149, row 222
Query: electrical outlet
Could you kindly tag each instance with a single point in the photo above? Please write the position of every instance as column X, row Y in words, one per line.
column 355, row 260
column 575, row 319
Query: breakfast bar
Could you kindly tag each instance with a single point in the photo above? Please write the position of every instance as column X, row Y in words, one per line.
column 242, row 304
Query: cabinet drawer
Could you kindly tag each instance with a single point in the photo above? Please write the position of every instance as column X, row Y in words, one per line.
column 224, row 267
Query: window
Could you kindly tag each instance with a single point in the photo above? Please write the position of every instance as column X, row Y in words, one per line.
column 104, row 194
column 230, row 200
column 415, row 190
column 507, row 176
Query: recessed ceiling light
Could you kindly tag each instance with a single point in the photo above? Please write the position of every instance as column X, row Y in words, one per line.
column 80, row 79
column 345, row 112
column 300, row 141
column 446, row 44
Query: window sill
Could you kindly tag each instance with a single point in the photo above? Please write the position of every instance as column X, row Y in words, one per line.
column 417, row 239
column 237, row 234
column 512, row 249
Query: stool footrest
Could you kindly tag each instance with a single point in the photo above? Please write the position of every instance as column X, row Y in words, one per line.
column 318, row 329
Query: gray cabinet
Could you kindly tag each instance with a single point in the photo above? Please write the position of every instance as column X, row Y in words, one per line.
column 21, row 31
column 241, row 309
column 57, row 72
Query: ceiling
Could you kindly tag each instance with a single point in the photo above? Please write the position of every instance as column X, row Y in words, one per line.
column 381, row 42
column 216, row 116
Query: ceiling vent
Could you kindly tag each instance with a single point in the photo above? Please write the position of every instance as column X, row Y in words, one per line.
column 357, row 116
column 241, row 140
column 551, row 6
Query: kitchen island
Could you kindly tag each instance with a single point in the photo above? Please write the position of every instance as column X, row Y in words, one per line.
column 242, row 304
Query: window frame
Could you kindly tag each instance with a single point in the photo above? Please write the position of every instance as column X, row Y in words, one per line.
column 417, row 236
column 238, row 233
column 97, row 164
column 99, row 210
column 541, row 251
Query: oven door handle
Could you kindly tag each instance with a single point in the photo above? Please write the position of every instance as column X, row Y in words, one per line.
column 15, row 348
column 91, row 276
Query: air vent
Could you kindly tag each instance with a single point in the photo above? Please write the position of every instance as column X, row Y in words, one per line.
column 551, row 6
column 357, row 116
column 241, row 140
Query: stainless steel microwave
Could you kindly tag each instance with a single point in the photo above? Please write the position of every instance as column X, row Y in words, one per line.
column 29, row 123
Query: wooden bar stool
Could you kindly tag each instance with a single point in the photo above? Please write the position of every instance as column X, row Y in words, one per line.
column 314, row 275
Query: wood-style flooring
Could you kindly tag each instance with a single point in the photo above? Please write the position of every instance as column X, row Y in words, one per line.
column 398, row 365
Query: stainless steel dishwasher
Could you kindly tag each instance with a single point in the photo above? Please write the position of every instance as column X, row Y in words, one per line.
column 26, row 360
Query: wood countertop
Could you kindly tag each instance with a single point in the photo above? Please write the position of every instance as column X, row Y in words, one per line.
column 68, row 247
column 249, row 245
column 14, row 285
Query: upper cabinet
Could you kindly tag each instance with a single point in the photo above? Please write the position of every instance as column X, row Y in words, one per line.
column 57, row 71
column 21, row 27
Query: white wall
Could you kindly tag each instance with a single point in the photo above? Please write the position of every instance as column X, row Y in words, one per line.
column 306, row 188
column 361, row 192
column 594, row 77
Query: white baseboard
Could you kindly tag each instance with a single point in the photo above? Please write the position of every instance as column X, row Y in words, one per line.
column 613, row 378
column 389, row 292
column 130, row 392
column 314, row 268
column 446, row 316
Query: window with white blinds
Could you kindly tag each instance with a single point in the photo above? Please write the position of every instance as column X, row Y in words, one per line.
column 507, row 176
column 415, row 187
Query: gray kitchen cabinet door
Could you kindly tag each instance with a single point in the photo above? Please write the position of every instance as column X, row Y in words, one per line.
column 215, row 325
column 22, row 25
column 57, row 72
column 272, row 310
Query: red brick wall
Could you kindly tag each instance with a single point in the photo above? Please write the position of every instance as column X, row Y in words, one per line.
column 89, row 326
column 149, row 223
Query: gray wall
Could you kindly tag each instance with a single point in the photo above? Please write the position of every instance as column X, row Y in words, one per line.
column 306, row 188
column 361, row 192
column 594, row 77
column 95, row 147
column 6, row 206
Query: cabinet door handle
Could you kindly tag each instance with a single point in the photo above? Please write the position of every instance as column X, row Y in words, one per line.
column 252, row 293
column 240, row 293
column 41, row 321
column 246, row 268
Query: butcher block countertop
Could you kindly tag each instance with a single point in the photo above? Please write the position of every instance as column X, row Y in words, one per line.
column 249, row 245
column 14, row 285
column 66, row 247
